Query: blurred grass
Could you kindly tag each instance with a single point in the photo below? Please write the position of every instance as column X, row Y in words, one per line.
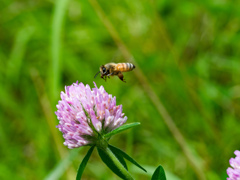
column 188, row 52
column 56, row 47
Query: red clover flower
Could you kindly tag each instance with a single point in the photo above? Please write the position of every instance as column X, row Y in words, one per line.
column 90, row 117
column 234, row 173
column 84, row 114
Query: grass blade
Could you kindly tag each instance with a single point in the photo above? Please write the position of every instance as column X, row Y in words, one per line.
column 58, row 171
column 54, row 71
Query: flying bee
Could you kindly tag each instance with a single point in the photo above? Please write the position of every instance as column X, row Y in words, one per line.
column 112, row 69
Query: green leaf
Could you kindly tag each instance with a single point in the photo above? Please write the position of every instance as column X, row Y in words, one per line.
column 109, row 162
column 115, row 150
column 84, row 163
column 159, row 174
column 121, row 160
column 121, row 128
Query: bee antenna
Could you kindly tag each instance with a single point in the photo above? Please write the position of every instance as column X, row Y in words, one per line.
column 96, row 74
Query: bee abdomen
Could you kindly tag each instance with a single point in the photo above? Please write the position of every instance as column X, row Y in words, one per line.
column 124, row 67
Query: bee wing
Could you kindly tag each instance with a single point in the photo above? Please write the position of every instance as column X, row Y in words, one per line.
column 96, row 74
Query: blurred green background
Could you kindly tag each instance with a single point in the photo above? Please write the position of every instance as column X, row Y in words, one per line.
column 187, row 59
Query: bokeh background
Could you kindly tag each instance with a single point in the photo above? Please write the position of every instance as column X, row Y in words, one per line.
column 185, row 89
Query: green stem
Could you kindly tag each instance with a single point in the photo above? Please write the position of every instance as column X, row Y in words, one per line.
column 117, row 163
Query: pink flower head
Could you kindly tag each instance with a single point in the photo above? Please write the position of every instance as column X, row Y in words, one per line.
column 234, row 173
column 86, row 113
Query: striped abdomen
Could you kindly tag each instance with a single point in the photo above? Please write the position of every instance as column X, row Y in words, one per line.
column 124, row 67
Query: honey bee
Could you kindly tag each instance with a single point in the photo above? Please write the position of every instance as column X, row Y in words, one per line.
column 112, row 69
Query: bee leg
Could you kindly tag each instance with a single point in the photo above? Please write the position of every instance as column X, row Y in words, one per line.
column 120, row 75
column 110, row 74
column 103, row 77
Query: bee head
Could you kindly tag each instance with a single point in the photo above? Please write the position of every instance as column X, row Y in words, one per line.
column 103, row 70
